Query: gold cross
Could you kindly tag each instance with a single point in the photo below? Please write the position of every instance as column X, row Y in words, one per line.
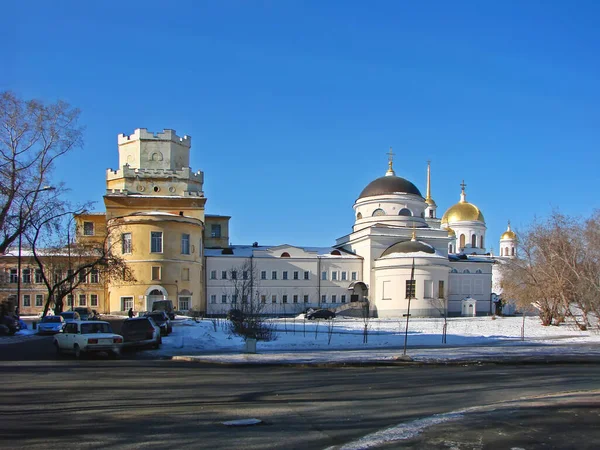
column 391, row 155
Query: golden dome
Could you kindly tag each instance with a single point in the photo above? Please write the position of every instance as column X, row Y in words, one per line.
column 508, row 234
column 451, row 232
column 463, row 211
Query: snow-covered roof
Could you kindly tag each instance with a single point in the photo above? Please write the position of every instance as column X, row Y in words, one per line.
column 246, row 251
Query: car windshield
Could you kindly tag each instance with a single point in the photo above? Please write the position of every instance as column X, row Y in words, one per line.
column 89, row 328
column 157, row 317
column 51, row 319
column 68, row 315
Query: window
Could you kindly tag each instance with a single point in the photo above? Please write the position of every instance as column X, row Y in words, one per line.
column 213, row 298
column 274, row 275
column 223, row 298
column 213, row 274
column 38, row 275
column 334, row 298
column 70, row 275
column 223, row 274
column 95, row 276
column 14, row 276
column 405, row 212
column 410, row 288
column 215, row 230
column 234, row 298
column 354, row 276
column 155, row 272
column 323, row 298
column 462, row 241
column 284, row 298
column 454, row 271
column 126, row 242
column 323, row 275
column 93, row 299
column 466, row 271
column 343, row 299
column 39, row 300
column 428, row 289
column 296, row 275
column 474, row 241
column 512, row 251
column 378, row 212
column 481, row 241
column 295, row 299
column 88, row 228
column 26, row 275
column 478, row 271
column 273, row 299
column 234, row 274
column 285, row 255
column 185, row 274
column 344, row 276
column 263, row 274
column 306, row 275
column 244, row 299
column 284, row 276
column 306, row 299
column 82, row 276
column 334, row 276
column 70, row 300
column 245, row 275
column 263, row 299
column 82, row 300
column 126, row 303
column 156, row 238
column 26, row 300
column 184, row 303
column 185, row 245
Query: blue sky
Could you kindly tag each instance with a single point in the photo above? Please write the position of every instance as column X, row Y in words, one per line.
column 293, row 105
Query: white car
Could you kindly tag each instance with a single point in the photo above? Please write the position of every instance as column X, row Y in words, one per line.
column 88, row 336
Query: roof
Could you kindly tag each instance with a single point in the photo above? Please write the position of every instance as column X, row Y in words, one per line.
column 389, row 184
column 246, row 251
column 409, row 247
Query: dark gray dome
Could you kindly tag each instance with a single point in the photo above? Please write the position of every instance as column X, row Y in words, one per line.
column 409, row 247
column 389, row 184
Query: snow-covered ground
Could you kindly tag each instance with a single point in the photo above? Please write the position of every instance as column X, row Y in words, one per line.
column 341, row 340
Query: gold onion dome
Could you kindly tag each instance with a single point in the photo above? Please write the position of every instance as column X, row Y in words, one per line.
column 508, row 234
column 451, row 232
column 463, row 211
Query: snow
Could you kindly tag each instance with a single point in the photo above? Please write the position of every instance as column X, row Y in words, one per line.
column 341, row 340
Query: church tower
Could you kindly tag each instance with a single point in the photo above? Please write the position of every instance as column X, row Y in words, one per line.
column 431, row 209
column 508, row 243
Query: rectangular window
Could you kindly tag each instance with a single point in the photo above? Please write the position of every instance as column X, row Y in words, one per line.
column 334, row 276
column 213, row 298
column 284, row 299
column 273, row 299
column 215, row 230
column 38, row 275
column 82, row 276
column 234, row 298
column 284, row 276
column 244, row 299
column 323, row 275
column 70, row 300
column 323, row 298
column 334, row 299
column 245, row 275
column 306, row 299
column 274, row 275
column 343, row 299
column 263, row 299
column 94, row 276
column 70, row 275
column 126, row 303
column 296, row 274
column 14, row 276
column 223, row 298
column 184, row 303
column 126, row 243
column 354, row 276
column 263, row 274
column 428, row 289
column 441, row 289
column 26, row 300
column 185, row 274
column 234, row 275
column 156, row 273
column 213, row 274
column 295, row 299
column 223, row 274
column 306, row 275
column 185, row 245
column 39, row 300
column 156, row 238
column 88, row 228
column 82, row 300
column 26, row 275
column 93, row 299
column 344, row 276
column 410, row 288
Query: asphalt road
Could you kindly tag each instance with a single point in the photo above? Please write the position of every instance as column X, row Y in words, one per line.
column 130, row 404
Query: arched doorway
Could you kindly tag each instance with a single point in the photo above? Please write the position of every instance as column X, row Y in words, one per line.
column 154, row 293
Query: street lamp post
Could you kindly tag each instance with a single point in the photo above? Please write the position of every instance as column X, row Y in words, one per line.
column 45, row 188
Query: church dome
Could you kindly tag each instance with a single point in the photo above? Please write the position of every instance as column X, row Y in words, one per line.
column 389, row 184
column 508, row 234
column 451, row 232
column 463, row 211
column 411, row 246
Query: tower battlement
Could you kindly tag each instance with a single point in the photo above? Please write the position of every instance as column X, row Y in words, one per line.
column 143, row 134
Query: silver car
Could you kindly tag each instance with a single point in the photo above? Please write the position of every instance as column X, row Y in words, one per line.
column 51, row 325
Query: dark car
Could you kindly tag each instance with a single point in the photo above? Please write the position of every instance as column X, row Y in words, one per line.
column 69, row 316
column 140, row 332
column 162, row 320
column 235, row 315
column 11, row 323
column 86, row 313
column 166, row 306
column 320, row 314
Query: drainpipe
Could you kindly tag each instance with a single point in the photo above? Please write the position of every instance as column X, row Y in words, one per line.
column 319, row 281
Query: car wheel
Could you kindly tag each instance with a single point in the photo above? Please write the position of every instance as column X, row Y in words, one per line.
column 77, row 351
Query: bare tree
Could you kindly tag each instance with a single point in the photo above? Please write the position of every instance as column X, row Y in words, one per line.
column 440, row 305
column 33, row 135
column 366, row 317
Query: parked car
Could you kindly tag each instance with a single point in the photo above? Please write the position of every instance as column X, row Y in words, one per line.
column 162, row 320
column 88, row 336
column 140, row 332
column 320, row 314
column 11, row 323
column 86, row 313
column 51, row 325
column 69, row 316
column 166, row 306
column 235, row 315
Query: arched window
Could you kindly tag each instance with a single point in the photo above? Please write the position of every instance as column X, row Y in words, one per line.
column 336, row 253
column 285, row 255
column 155, row 292
column 454, row 271
column 431, row 213
column 378, row 212
column 462, row 241
column 513, row 251
column 478, row 271
column 481, row 241
column 450, row 248
column 358, row 216
column 474, row 241
column 405, row 212
column 466, row 271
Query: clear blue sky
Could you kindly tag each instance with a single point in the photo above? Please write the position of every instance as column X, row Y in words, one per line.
column 293, row 105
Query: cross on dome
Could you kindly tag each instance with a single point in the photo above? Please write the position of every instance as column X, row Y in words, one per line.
column 390, row 171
